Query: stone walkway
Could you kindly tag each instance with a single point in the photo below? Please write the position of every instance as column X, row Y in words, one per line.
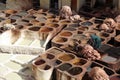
column 13, row 67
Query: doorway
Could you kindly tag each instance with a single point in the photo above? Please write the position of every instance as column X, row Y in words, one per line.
column 74, row 4
column 3, row 1
column 104, row 3
column 54, row 4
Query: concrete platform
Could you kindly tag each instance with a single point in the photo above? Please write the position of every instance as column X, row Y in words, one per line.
column 13, row 67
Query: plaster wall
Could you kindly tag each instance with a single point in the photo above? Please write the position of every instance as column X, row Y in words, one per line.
column 45, row 4
column 66, row 2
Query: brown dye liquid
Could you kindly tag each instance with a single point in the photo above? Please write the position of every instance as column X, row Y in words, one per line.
column 53, row 25
column 79, row 62
column 47, row 67
column 65, row 22
column 34, row 28
column 66, row 34
column 61, row 40
column 50, row 56
column 66, row 57
column 46, row 29
column 39, row 62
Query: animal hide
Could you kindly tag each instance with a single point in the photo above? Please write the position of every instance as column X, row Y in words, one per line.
column 90, row 53
column 65, row 12
column 98, row 73
column 10, row 36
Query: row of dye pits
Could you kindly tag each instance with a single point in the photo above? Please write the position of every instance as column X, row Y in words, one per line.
column 25, row 21
column 34, row 25
column 68, row 64
column 24, row 18
column 62, row 34
column 76, row 31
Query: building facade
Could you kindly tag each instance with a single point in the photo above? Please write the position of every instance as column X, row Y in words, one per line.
column 57, row 4
column 76, row 4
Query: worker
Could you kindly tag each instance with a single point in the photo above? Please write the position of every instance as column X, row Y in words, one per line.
column 94, row 41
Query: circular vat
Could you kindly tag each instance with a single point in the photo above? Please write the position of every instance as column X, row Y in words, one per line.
column 15, row 17
column 74, row 25
column 80, row 32
column 83, row 28
column 43, row 14
column 22, row 13
column 111, row 31
column 2, row 14
column 69, row 28
column 35, row 22
column 97, row 21
column 28, row 24
column 88, row 33
column 2, row 19
column 25, row 20
column 41, row 24
column 75, row 71
column 45, row 67
column 118, row 71
column 109, row 71
column 21, row 22
column 51, row 17
column 60, row 39
column 108, row 59
column 117, row 77
column 79, row 37
column 39, row 62
column 86, row 24
column 104, row 34
column 56, row 21
column 30, row 17
column 57, row 62
column 79, row 61
column 66, row 57
column 50, row 56
column 102, row 39
column 46, row 29
column 53, row 25
column 7, row 15
column 65, row 22
column 66, row 34
column 1, row 31
column 65, row 67
column 19, row 26
column 10, row 11
column 35, row 28
column 41, row 19
column 12, row 20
